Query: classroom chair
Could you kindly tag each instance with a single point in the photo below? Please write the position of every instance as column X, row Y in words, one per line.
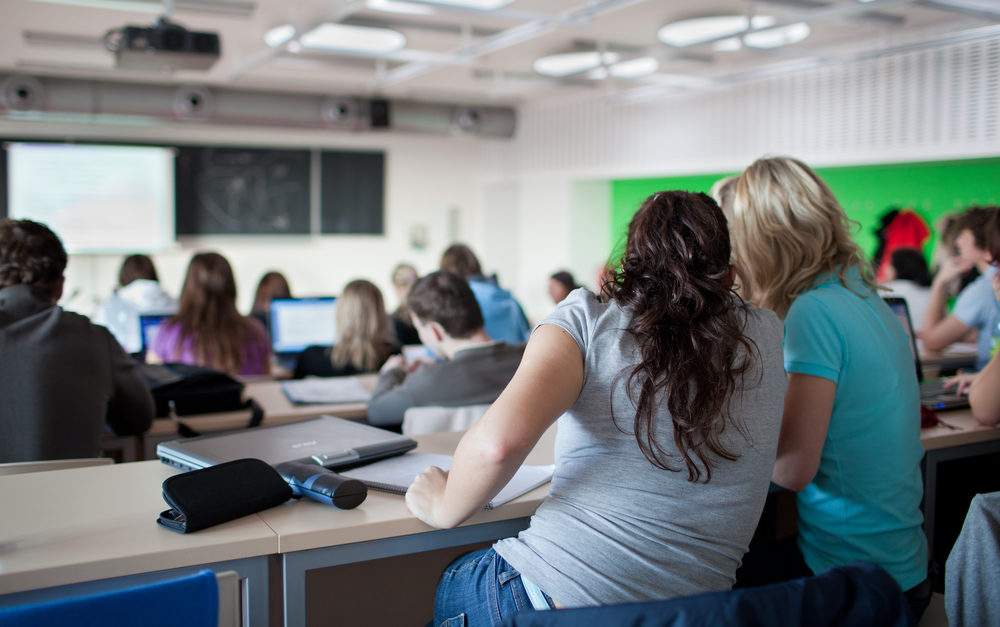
column 857, row 595
column 18, row 468
column 420, row 420
column 203, row 599
column 972, row 572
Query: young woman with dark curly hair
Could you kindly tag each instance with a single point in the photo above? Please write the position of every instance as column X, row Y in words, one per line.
column 668, row 396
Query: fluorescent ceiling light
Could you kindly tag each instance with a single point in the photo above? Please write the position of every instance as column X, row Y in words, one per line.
column 566, row 64
column 397, row 6
column 699, row 29
column 481, row 5
column 634, row 68
column 732, row 44
column 779, row 36
column 278, row 35
column 350, row 38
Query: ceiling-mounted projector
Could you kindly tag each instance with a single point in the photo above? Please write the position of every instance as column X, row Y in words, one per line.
column 164, row 47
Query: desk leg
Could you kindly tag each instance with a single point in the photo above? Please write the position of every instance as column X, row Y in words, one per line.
column 295, row 565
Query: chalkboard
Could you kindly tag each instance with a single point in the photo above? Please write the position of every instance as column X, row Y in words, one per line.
column 242, row 191
column 352, row 192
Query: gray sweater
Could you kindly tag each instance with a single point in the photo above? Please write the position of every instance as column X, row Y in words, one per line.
column 61, row 379
column 474, row 376
column 615, row 528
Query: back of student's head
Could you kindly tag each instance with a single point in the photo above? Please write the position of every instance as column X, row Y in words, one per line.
column 31, row 254
column 272, row 285
column 910, row 265
column 993, row 237
column 460, row 259
column 136, row 267
column 723, row 191
column 404, row 276
column 675, row 281
column 446, row 298
column 362, row 327
column 207, row 312
column 787, row 229
column 976, row 220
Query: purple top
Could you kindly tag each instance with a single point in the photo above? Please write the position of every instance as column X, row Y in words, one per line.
column 172, row 344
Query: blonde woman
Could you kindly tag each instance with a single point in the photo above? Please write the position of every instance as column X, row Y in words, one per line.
column 364, row 336
column 850, row 431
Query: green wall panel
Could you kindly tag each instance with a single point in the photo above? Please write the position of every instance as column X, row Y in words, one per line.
column 931, row 188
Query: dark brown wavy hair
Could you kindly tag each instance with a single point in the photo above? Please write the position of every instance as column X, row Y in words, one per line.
column 676, row 281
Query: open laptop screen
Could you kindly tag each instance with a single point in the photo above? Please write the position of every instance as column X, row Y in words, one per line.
column 297, row 323
column 149, row 326
column 902, row 313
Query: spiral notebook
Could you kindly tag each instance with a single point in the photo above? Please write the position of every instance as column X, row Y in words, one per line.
column 396, row 474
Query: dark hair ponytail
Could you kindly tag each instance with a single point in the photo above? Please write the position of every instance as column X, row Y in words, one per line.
column 675, row 278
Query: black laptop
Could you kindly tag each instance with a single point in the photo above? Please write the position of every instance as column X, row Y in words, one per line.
column 932, row 392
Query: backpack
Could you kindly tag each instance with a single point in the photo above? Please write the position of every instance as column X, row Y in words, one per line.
column 185, row 389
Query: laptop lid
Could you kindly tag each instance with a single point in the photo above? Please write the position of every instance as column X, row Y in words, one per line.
column 331, row 442
column 297, row 323
column 902, row 313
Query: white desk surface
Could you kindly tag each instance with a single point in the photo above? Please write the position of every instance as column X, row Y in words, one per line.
column 277, row 409
column 308, row 525
column 69, row 526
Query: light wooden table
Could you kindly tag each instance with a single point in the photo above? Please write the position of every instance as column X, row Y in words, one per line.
column 91, row 529
column 277, row 409
column 84, row 530
column 962, row 438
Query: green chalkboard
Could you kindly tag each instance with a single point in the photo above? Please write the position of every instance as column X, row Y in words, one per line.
column 931, row 188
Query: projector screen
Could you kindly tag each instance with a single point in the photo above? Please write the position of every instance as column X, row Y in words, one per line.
column 97, row 198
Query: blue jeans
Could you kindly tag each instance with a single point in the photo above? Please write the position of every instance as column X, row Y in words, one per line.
column 479, row 589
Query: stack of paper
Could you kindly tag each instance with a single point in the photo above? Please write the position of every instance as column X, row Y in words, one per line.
column 328, row 390
column 397, row 473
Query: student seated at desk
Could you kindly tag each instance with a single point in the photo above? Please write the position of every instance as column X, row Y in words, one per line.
column 62, row 378
column 984, row 386
column 365, row 337
column 139, row 292
column 668, row 397
column 475, row 368
column 272, row 285
column 975, row 309
column 208, row 330
column 850, row 432
column 503, row 316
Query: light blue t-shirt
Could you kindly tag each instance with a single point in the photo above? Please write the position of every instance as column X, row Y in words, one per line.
column 978, row 308
column 864, row 502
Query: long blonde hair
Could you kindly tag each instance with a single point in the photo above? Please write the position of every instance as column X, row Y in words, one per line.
column 363, row 328
column 787, row 229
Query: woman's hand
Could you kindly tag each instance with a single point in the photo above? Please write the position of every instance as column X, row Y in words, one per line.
column 425, row 493
column 960, row 382
column 995, row 284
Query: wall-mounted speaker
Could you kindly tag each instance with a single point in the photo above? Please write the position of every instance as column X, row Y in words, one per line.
column 193, row 102
column 22, row 93
column 469, row 119
column 340, row 112
column 378, row 113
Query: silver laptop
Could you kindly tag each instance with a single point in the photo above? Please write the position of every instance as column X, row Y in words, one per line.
column 932, row 393
column 328, row 441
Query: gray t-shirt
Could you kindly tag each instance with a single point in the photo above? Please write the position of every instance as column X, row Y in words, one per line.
column 615, row 528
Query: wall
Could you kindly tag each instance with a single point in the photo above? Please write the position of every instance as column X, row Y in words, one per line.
column 934, row 104
column 431, row 183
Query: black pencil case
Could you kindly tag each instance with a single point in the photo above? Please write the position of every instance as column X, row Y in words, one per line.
column 217, row 494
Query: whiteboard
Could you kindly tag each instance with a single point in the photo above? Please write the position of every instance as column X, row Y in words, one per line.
column 97, row 198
